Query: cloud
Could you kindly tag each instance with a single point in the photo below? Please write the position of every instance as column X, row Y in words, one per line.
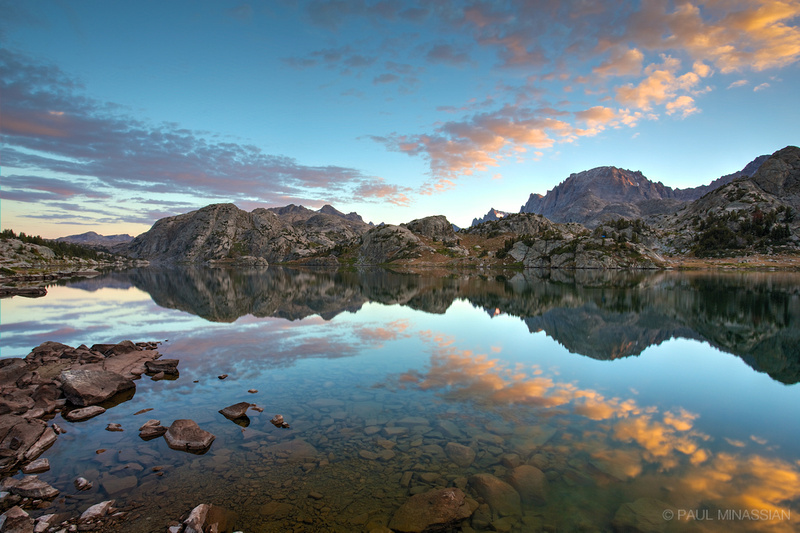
column 446, row 53
column 683, row 105
column 739, row 83
column 661, row 84
column 734, row 36
column 53, row 188
column 343, row 58
column 760, row 87
column 623, row 62
column 48, row 126
column 386, row 77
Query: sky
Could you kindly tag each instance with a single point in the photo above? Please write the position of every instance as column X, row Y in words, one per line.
column 116, row 114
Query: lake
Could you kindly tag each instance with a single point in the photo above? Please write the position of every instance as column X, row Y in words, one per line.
column 666, row 398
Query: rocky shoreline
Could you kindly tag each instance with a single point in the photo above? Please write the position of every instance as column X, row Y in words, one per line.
column 56, row 378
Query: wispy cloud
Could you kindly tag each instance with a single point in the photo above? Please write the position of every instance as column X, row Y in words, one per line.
column 638, row 59
column 50, row 127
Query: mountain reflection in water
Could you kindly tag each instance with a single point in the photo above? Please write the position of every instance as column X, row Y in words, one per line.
column 604, row 315
column 398, row 384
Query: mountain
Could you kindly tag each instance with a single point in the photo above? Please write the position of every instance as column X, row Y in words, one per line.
column 749, row 213
column 92, row 239
column 330, row 210
column 606, row 193
column 493, row 214
column 223, row 232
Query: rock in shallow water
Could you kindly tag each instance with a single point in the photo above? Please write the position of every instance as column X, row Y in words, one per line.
column 237, row 410
column 90, row 387
column 645, row 515
column 438, row 508
column 33, row 487
column 500, row 496
column 85, row 413
column 186, row 435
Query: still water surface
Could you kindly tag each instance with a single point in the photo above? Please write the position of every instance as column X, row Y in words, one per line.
column 680, row 387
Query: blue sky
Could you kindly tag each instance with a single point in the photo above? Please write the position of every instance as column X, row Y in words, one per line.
column 116, row 114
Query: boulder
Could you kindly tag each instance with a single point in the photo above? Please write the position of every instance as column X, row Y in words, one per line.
column 36, row 467
column 435, row 509
column 530, row 483
column 84, row 387
column 17, row 435
column 33, row 487
column 500, row 496
column 16, row 520
column 645, row 515
column 437, row 228
column 186, row 435
column 390, row 243
column 98, row 510
column 197, row 519
column 76, row 415
column 167, row 366
column 11, row 369
column 235, row 411
column 151, row 429
column 45, row 440
column 460, row 454
column 81, row 483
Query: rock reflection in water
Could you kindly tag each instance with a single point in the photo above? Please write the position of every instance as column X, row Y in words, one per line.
column 600, row 314
column 390, row 403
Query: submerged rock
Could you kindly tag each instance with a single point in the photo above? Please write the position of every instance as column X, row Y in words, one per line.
column 460, row 454
column 435, row 509
column 77, row 415
column 500, row 496
column 645, row 515
column 186, row 435
column 531, row 484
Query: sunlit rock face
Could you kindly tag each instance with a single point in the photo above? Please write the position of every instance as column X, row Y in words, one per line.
column 605, row 193
column 223, row 232
column 390, row 243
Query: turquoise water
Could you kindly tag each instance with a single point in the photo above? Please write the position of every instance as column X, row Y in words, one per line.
column 677, row 387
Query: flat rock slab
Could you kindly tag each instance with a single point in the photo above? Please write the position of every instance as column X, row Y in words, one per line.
column 167, row 366
column 294, row 451
column 435, row 509
column 33, row 487
column 235, row 411
column 645, row 515
column 114, row 485
column 85, row 413
column 89, row 387
column 187, row 436
column 36, row 467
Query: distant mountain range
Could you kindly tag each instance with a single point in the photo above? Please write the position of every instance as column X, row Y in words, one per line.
column 91, row 239
column 605, row 217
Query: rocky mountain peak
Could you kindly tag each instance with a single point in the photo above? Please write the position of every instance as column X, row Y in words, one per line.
column 493, row 214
